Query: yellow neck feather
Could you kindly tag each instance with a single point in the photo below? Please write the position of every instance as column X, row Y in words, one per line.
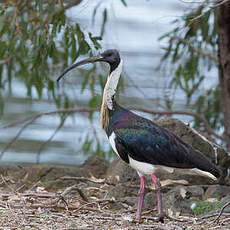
column 104, row 115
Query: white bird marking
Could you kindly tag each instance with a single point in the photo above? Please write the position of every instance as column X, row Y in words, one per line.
column 147, row 168
column 112, row 138
column 111, row 85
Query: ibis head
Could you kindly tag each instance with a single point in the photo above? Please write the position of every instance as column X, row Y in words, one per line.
column 110, row 56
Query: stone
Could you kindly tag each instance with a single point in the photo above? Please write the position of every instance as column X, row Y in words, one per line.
column 176, row 201
column 120, row 191
column 194, row 191
column 150, row 200
column 50, row 174
column 121, row 172
column 225, row 200
column 96, row 166
column 216, row 191
column 130, row 201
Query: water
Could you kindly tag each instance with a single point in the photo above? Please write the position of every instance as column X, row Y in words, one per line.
column 134, row 30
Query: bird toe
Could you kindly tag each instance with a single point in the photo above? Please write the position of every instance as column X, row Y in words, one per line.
column 161, row 217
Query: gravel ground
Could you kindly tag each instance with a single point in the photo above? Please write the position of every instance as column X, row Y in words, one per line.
column 83, row 206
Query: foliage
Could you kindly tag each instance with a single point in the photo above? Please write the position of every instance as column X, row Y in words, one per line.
column 39, row 41
column 203, row 207
column 36, row 38
column 191, row 51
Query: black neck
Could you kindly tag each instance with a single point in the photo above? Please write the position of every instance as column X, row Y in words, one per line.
column 114, row 65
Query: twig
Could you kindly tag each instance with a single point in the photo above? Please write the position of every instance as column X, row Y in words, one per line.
column 17, row 135
column 16, row 17
column 159, row 227
column 169, row 217
column 38, row 115
column 4, row 181
column 72, row 188
column 5, row 61
column 212, row 215
column 31, row 119
column 221, row 211
column 102, row 217
column 50, row 138
column 210, row 8
column 187, row 220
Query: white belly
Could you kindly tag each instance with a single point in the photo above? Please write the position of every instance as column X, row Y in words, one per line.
column 146, row 168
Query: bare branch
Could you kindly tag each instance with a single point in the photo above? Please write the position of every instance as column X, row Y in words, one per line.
column 50, row 138
column 5, row 61
column 17, row 135
column 220, row 2
column 221, row 211
column 37, row 115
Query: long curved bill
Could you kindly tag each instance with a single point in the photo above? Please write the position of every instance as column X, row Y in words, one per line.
column 85, row 61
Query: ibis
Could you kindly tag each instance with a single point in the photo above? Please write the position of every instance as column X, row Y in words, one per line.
column 145, row 146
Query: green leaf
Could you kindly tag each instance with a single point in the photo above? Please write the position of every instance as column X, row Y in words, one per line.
column 124, row 2
column 104, row 22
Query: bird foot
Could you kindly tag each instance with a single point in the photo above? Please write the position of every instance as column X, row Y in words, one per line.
column 161, row 217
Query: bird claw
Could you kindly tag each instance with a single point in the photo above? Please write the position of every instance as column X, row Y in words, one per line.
column 161, row 217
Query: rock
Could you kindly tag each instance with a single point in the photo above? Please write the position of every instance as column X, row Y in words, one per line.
column 179, row 199
column 176, row 202
column 194, row 191
column 216, row 191
column 120, row 191
column 224, row 201
column 150, row 200
column 121, row 172
column 96, row 166
column 130, row 200
column 50, row 174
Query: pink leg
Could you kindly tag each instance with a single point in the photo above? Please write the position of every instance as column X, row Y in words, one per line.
column 141, row 196
column 159, row 198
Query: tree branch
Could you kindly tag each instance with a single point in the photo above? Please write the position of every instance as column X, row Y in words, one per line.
column 50, row 138
column 220, row 2
column 5, row 61
column 31, row 119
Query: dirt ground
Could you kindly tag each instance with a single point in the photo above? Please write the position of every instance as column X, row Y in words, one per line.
column 83, row 205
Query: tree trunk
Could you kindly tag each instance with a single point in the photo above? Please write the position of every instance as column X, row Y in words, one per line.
column 223, row 27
